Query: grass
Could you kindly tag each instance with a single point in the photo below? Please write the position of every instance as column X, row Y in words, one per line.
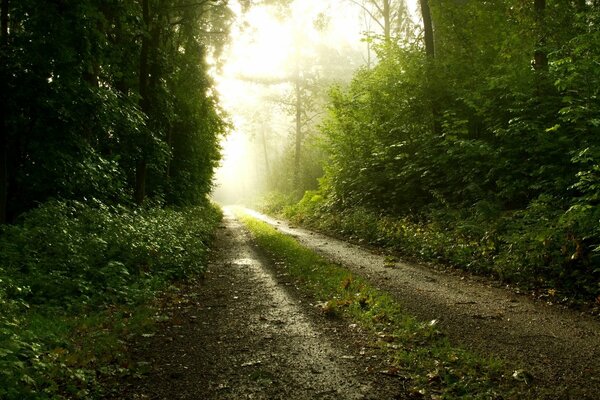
column 85, row 349
column 419, row 352
column 539, row 250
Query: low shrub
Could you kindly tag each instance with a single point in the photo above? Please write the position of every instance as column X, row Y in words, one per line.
column 70, row 276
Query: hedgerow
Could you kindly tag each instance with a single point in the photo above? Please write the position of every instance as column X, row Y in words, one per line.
column 541, row 248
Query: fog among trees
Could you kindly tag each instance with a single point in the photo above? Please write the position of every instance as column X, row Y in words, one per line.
column 469, row 121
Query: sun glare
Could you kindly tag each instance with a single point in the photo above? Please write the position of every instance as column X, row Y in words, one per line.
column 261, row 47
column 259, row 61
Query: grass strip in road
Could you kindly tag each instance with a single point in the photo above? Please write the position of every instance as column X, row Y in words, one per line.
column 420, row 354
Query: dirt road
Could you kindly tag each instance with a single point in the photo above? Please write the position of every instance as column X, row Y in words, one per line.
column 248, row 333
column 560, row 348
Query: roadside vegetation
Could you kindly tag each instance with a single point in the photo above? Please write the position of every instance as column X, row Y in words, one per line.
column 477, row 148
column 417, row 351
column 109, row 132
column 519, row 248
column 78, row 282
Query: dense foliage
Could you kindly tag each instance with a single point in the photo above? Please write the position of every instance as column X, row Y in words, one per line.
column 72, row 276
column 108, row 99
column 483, row 153
column 108, row 120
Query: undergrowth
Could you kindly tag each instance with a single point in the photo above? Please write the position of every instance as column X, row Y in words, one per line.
column 76, row 281
column 420, row 353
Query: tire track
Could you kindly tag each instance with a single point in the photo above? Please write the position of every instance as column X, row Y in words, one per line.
column 250, row 335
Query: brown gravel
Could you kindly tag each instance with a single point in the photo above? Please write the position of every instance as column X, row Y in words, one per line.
column 247, row 332
column 559, row 347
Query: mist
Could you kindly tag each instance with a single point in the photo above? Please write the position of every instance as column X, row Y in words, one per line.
column 278, row 69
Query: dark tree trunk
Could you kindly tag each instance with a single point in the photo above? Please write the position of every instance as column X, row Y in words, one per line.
column 540, row 57
column 4, row 21
column 169, row 141
column 148, row 81
column 3, row 171
column 3, row 166
column 140, row 181
column 3, row 127
column 428, row 28
column 144, row 56
column 430, row 53
column 140, row 168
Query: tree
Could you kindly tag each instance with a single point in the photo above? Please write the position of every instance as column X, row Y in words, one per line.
column 302, row 96
column 93, row 93
column 144, row 91
column 3, row 128
column 427, row 28
column 391, row 16
column 540, row 57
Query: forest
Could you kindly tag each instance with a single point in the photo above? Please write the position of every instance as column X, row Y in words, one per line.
column 468, row 136
column 472, row 141
column 110, row 134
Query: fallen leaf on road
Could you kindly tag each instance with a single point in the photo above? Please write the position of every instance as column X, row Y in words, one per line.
column 392, row 371
column 522, row 376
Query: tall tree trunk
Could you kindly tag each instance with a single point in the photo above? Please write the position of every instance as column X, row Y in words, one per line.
column 266, row 153
column 387, row 21
column 430, row 53
column 367, row 21
column 144, row 56
column 140, row 168
column 169, row 141
column 427, row 29
column 3, row 167
column 3, row 128
column 540, row 57
column 298, row 148
column 4, row 21
column 140, row 181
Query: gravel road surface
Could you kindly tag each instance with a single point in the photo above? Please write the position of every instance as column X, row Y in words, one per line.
column 247, row 332
column 559, row 347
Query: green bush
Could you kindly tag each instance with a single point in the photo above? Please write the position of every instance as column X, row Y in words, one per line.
column 68, row 266
column 274, row 202
column 71, row 252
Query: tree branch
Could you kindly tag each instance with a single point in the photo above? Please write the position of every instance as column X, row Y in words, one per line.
column 365, row 9
column 196, row 4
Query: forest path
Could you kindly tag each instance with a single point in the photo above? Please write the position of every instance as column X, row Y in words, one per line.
column 247, row 332
column 560, row 348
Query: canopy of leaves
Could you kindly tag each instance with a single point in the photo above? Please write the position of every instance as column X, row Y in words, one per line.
column 91, row 88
